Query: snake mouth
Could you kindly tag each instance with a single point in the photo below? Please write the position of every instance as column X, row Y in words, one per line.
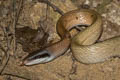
column 41, row 57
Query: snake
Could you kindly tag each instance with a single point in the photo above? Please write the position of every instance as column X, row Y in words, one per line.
column 84, row 45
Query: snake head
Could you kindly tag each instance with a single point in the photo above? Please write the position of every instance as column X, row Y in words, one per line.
column 36, row 58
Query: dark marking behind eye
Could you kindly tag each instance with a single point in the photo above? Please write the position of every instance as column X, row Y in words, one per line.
column 92, row 16
column 41, row 56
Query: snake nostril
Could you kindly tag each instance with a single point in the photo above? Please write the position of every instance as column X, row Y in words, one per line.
column 76, row 18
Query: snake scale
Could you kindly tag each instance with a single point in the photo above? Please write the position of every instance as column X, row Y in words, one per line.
column 83, row 45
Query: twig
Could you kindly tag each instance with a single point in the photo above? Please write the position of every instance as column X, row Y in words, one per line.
column 4, row 66
column 5, row 51
column 16, row 76
column 16, row 17
column 8, row 41
column 55, row 8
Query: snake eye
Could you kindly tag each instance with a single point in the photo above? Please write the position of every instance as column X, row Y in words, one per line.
column 40, row 57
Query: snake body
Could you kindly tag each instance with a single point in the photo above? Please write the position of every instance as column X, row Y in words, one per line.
column 83, row 45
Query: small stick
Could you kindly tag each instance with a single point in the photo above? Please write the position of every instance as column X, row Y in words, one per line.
column 55, row 8
column 16, row 17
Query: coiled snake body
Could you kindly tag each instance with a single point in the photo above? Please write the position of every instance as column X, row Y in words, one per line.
column 83, row 45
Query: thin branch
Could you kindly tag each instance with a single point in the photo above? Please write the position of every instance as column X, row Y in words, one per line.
column 6, row 62
column 8, row 74
column 16, row 17
column 6, row 36
column 6, row 51
column 55, row 8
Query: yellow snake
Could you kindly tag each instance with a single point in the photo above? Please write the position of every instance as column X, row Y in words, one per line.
column 83, row 45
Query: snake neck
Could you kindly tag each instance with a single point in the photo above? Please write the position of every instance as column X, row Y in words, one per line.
column 60, row 47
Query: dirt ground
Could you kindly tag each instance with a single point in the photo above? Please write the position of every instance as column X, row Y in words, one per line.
column 29, row 25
